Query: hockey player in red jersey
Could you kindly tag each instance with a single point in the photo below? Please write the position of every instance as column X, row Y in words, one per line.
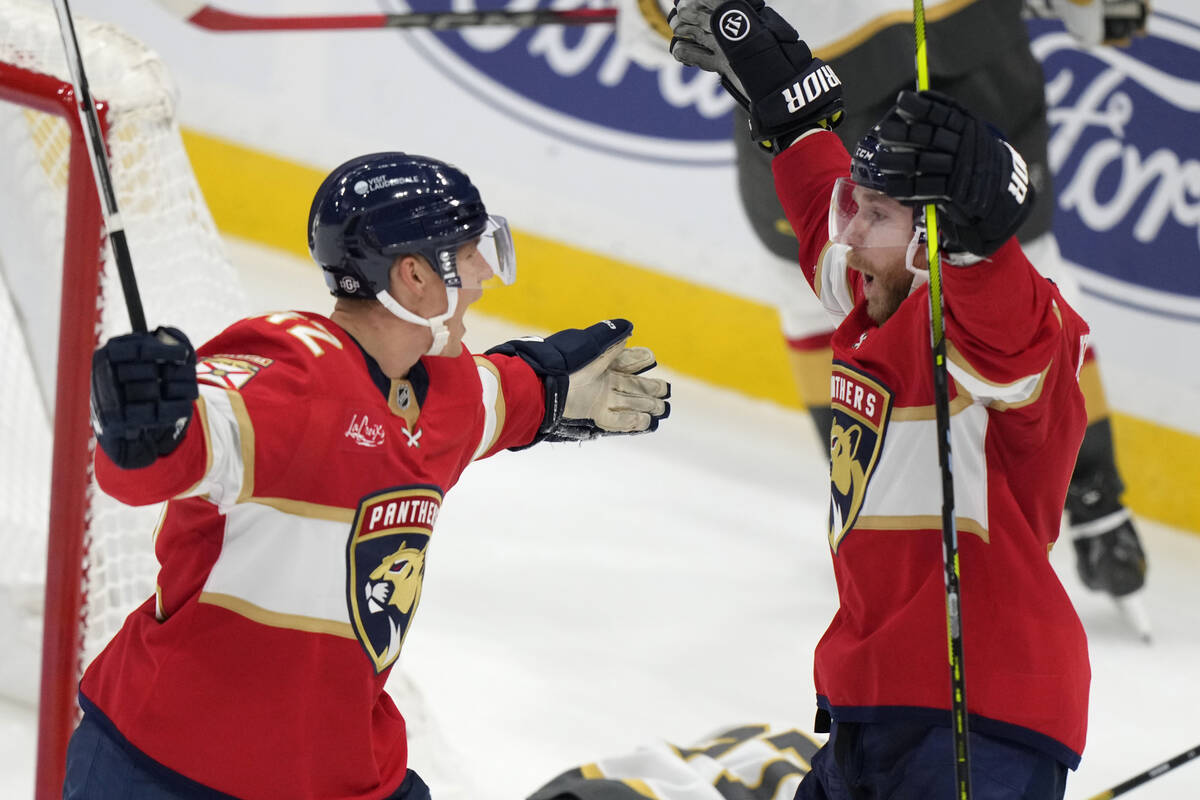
column 1016, row 418
column 869, row 44
column 305, row 459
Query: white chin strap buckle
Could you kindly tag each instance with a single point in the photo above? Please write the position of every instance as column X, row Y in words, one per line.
column 437, row 324
column 441, row 335
column 920, row 276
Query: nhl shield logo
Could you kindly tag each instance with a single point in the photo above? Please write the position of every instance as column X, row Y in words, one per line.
column 386, row 567
column 861, row 407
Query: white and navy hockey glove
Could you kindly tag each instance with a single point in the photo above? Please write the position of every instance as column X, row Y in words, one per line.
column 1123, row 20
column 933, row 150
column 143, row 387
column 693, row 45
column 593, row 382
column 762, row 59
column 1093, row 22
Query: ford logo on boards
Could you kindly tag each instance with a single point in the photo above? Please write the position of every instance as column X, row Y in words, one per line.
column 1124, row 152
column 577, row 84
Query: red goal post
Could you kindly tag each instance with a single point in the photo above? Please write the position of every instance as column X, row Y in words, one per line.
column 78, row 328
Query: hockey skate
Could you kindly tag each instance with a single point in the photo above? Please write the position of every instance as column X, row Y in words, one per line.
column 1109, row 553
column 1110, row 559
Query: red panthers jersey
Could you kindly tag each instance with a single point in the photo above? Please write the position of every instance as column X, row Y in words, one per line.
column 1014, row 349
column 303, row 501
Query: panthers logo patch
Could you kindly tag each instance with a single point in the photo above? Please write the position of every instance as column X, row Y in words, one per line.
column 861, row 407
column 386, row 567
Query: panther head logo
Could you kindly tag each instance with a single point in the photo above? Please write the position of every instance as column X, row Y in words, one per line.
column 846, row 476
column 861, row 408
column 396, row 581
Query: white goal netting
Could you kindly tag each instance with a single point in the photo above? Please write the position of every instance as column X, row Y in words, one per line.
column 184, row 277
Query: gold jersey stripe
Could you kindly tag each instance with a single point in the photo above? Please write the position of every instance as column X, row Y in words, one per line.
column 277, row 619
column 919, row 522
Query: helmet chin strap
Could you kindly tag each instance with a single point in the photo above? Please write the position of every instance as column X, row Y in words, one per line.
column 920, row 276
column 441, row 334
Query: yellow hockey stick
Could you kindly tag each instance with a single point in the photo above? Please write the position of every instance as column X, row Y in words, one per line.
column 958, row 704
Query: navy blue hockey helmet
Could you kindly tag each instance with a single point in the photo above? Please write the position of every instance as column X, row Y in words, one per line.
column 862, row 161
column 378, row 206
column 860, row 214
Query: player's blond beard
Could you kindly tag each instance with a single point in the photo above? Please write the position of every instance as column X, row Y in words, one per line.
column 891, row 289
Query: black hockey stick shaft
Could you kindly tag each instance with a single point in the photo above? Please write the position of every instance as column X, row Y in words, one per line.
column 219, row 20
column 1156, row 771
column 941, row 390
column 100, row 170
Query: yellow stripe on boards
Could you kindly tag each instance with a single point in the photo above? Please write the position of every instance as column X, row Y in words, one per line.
column 694, row 330
column 253, row 195
column 1161, row 470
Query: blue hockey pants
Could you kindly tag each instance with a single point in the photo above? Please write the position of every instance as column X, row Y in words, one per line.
column 905, row 761
column 101, row 766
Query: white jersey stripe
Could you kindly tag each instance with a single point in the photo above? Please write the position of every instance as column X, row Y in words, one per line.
column 1003, row 395
column 911, row 449
column 258, row 535
column 493, row 405
column 223, row 482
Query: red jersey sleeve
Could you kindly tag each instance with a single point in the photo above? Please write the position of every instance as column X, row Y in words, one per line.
column 1007, row 326
column 165, row 478
column 804, row 177
column 252, row 370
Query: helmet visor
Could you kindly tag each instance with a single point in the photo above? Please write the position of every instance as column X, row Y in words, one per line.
column 862, row 217
column 494, row 249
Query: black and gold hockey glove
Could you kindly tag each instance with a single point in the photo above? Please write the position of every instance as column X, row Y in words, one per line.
column 934, row 150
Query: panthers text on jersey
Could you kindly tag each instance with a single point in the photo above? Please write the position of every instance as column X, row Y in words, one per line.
column 1014, row 350
column 303, row 504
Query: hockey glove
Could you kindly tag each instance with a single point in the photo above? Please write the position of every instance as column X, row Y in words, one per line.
column 1124, row 19
column 143, row 387
column 932, row 149
column 693, row 45
column 1093, row 22
column 592, row 382
column 790, row 92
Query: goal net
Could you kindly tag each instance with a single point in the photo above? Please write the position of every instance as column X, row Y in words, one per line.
column 51, row 252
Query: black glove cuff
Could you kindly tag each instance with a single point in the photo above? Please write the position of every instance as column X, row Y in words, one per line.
column 813, row 99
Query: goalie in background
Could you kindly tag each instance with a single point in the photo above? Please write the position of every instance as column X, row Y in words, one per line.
column 1014, row 347
column 305, row 459
column 869, row 44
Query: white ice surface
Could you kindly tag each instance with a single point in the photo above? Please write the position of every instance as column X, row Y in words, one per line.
column 581, row 600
